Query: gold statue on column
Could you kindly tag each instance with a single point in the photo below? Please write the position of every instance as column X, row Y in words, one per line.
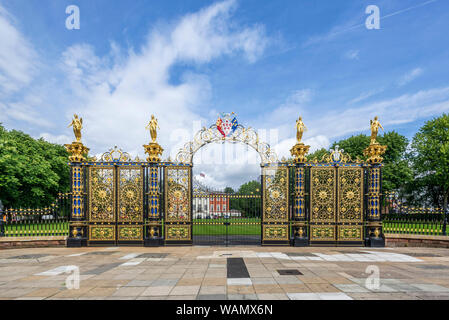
column 76, row 149
column 375, row 151
column 77, row 124
column 299, row 150
column 375, row 125
column 153, row 126
column 300, row 128
column 153, row 149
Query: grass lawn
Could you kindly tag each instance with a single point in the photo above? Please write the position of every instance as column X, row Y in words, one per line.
column 245, row 226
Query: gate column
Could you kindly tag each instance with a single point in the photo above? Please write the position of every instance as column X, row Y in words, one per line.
column 374, row 233
column 153, row 223
column 299, row 222
column 77, row 226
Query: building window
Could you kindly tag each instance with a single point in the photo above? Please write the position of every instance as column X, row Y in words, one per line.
column 224, row 207
column 218, row 207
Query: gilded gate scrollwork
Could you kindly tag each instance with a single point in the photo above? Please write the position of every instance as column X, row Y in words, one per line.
column 130, row 200
column 275, row 203
column 102, row 203
column 350, row 203
column 336, row 203
column 322, row 199
column 177, row 203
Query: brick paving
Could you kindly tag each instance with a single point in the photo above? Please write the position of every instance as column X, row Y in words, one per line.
column 186, row 273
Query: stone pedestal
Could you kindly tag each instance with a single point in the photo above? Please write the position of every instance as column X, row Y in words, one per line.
column 300, row 236
column 154, row 235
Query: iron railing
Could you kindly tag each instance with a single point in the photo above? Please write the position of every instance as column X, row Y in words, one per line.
column 403, row 219
column 34, row 222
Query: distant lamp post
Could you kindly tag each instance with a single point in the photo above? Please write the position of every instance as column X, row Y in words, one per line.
column 444, row 223
column 2, row 225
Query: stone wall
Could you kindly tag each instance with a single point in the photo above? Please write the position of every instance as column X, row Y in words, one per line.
column 416, row 240
column 32, row 242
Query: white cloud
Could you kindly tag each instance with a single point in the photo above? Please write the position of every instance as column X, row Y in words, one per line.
column 116, row 99
column 410, row 76
column 17, row 56
column 352, row 54
column 59, row 139
column 365, row 95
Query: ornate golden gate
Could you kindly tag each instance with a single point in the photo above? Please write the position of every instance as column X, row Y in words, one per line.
column 275, row 218
column 336, row 204
column 178, row 204
column 116, row 200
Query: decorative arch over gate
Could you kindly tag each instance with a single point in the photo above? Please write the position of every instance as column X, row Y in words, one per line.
column 236, row 133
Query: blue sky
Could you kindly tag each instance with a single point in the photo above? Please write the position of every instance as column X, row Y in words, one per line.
column 189, row 60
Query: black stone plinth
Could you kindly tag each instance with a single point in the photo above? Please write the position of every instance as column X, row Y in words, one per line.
column 154, row 242
column 375, row 242
column 76, row 242
column 300, row 242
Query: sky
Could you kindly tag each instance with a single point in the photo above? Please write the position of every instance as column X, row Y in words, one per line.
column 188, row 61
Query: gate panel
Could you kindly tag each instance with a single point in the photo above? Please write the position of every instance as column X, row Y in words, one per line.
column 130, row 204
column 275, row 227
column 350, row 205
column 178, row 219
column 101, row 205
column 322, row 204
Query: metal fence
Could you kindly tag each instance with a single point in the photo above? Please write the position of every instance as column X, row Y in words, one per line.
column 402, row 219
column 227, row 219
column 34, row 222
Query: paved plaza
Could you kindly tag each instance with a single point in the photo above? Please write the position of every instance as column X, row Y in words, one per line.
column 220, row 273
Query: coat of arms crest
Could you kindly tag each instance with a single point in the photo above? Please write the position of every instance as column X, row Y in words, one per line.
column 226, row 124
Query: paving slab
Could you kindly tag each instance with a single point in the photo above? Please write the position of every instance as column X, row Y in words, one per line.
column 237, row 273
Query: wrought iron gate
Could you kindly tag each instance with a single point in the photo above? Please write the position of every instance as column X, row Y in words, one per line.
column 178, row 214
column 226, row 219
column 336, row 204
column 275, row 221
column 116, row 211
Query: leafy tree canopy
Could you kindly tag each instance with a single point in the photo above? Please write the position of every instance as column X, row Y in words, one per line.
column 396, row 171
column 32, row 171
column 228, row 190
column 430, row 156
column 251, row 186
column 317, row 155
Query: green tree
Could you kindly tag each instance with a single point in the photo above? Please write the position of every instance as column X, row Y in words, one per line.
column 396, row 172
column 353, row 145
column 251, row 187
column 32, row 172
column 228, row 190
column 249, row 207
column 317, row 155
column 430, row 154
